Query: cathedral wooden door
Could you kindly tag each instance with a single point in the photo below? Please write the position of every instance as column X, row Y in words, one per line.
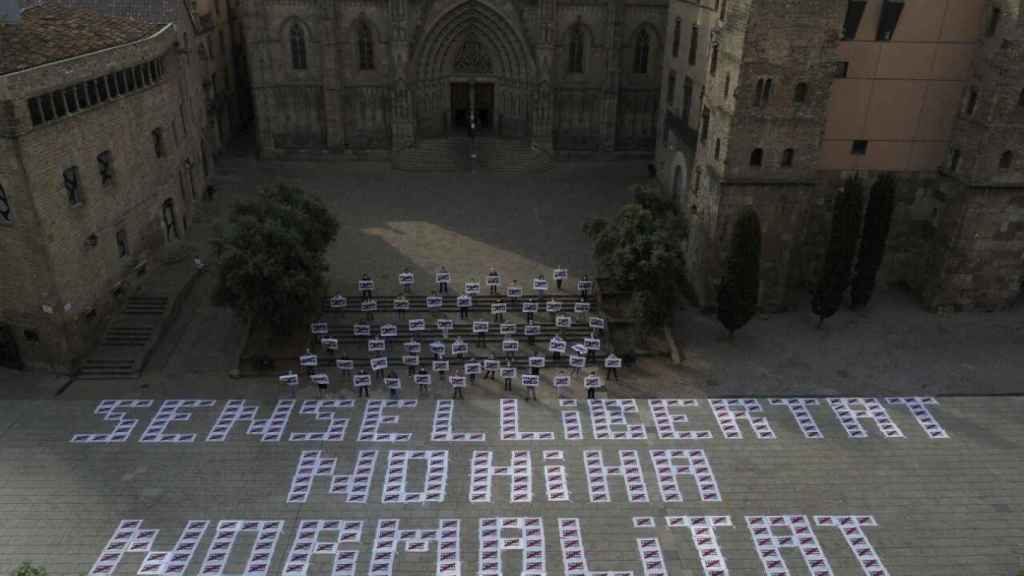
column 460, row 106
column 483, row 104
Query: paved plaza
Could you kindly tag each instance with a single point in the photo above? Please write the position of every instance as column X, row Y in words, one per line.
column 499, row 485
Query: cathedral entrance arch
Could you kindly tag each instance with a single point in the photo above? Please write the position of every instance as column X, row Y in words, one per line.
column 472, row 63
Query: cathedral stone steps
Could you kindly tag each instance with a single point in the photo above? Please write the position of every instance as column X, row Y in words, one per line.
column 456, row 155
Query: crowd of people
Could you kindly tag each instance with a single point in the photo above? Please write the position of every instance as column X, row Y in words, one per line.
column 452, row 363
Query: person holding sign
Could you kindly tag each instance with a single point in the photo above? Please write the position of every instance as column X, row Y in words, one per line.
column 529, row 307
column 540, row 285
column 442, row 278
column 480, row 328
column 498, row 310
column 593, row 345
column 562, row 383
column 400, row 305
column 394, row 384
column 493, row 281
column 321, row 380
column 560, row 275
column 369, row 307
column 309, row 361
column 366, row 286
column 361, row 382
column 592, row 383
column 291, row 380
column 438, row 349
column 530, row 382
column 459, row 347
column 423, row 379
column 536, row 363
column 508, row 372
column 338, row 303
column 514, row 292
column 556, row 346
column 490, row 366
column 458, row 385
column 344, row 365
column 406, row 280
column 464, row 303
column 611, row 365
column 583, row 287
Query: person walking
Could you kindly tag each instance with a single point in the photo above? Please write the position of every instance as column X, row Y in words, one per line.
column 394, row 385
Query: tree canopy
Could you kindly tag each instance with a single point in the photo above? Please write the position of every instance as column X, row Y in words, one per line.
column 738, row 292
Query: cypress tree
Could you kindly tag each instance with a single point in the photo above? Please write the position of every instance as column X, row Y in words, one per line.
column 842, row 247
column 737, row 294
column 872, row 243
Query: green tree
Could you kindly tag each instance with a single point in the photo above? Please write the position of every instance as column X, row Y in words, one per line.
column 842, row 246
column 641, row 250
column 737, row 293
column 872, row 242
column 27, row 569
column 272, row 267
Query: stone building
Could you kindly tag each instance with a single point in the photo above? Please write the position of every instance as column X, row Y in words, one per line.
column 788, row 98
column 94, row 141
column 225, row 79
column 347, row 76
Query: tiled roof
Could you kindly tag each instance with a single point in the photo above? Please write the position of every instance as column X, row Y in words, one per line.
column 155, row 11
column 50, row 32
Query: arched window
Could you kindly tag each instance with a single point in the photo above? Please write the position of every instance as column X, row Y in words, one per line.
column 365, row 47
column 576, row 50
column 1006, row 160
column 756, row 157
column 641, row 52
column 297, row 41
column 800, row 93
column 787, row 158
column 675, row 38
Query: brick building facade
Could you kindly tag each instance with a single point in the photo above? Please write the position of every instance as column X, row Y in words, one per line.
column 95, row 176
column 791, row 97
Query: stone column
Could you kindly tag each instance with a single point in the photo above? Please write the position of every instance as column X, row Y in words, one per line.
column 401, row 104
column 610, row 99
column 540, row 125
column 330, row 69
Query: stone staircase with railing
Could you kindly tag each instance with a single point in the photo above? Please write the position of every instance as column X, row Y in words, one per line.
column 455, row 154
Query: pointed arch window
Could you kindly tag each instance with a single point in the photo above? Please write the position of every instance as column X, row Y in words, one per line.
column 365, row 47
column 642, row 52
column 297, row 43
column 576, row 50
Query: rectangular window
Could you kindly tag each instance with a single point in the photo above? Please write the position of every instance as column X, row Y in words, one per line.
column 891, row 10
column 152, row 69
column 72, row 186
column 670, row 97
column 694, row 40
column 158, row 142
column 131, row 79
column 112, row 85
column 859, row 147
column 721, row 15
column 69, row 98
column 842, row 69
column 58, row 104
column 138, row 76
column 101, row 89
column 993, row 22
column 122, row 86
column 34, row 111
column 122, row 243
column 83, row 100
column 687, row 97
column 145, row 75
column 47, row 105
column 854, row 12
column 90, row 87
column 954, row 160
column 714, row 59
column 763, row 91
column 705, row 125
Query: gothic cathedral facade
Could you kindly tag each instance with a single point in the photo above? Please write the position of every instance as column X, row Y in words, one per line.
column 573, row 76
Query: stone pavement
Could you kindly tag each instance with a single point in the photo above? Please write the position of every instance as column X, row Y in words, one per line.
column 914, row 503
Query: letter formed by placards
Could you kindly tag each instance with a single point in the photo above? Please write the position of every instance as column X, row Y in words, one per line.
column 592, row 381
column 472, row 368
column 457, row 381
column 540, row 285
column 338, row 301
column 329, row 343
column 613, row 361
column 400, row 304
column 530, row 380
column 596, row 323
column 507, row 372
column 406, row 278
column 361, row 330
column 365, row 285
column 472, row 288
column 577, row 361
column 531, row 329
column 411, row 360
column 509, row 345
column 417, row 325
column 499, row 308
column 563, row 321
column 561, row 274
column 434, row 302
column 375, row 345
column 412, row 346
column 581, row 308
column 318, row 328
column 360, row 380
column 481, row 326
column 368, row 306
column 562, row 381
column 344, row 365
column 536, row 361
column 529, row 307
column 388, row 331
column 557, row 345
column 422, row 379
column 439, row 366
column 507, row 329
column 309, row 361
column 553, row 307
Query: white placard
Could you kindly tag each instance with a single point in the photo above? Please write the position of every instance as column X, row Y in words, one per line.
column 613, row 361
column 457, row 381
column 510, row 345
column 380, row 363
column 347, row 365
column 507, row 372
column 360, row 380
column 361, row 330
column 289, row 379
column 460, row 348
column 561, row 274
column 368, row 306
column 365, row 285
column 514, row 292
column 592, row 381
column 481, row 326
column 507, row 329
column 494, row 279
column 472, row 368
column 531, row 329
column 411, row 360
column 443, row 277
column 338, row 301
column 445, row 324
column 318, row 328
column 581, row 307
column 389, row 331
column 491, row 365
column 596, row 323
column 464, row 302
column 531, row 380
column 417, row 325
column 499, row 308
column 329, row 343
column 553, row 307
column 439, row 365
column 405, row 278
column 434, row 302
column 421, row 379
column 536, row 361
column 561, row 380
column 530, row 307
column 413, row 347
column 584, row 285
column 400, row 304
column 320, row 379
column 376, row 345
column 563, row 321
column 308, row 360
column 471, row 288
column 438, row 347
column 392, row 383
column 592, row 343
column 576, row 361
column 579, row 349
column 556, row 345
column 540, row 284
